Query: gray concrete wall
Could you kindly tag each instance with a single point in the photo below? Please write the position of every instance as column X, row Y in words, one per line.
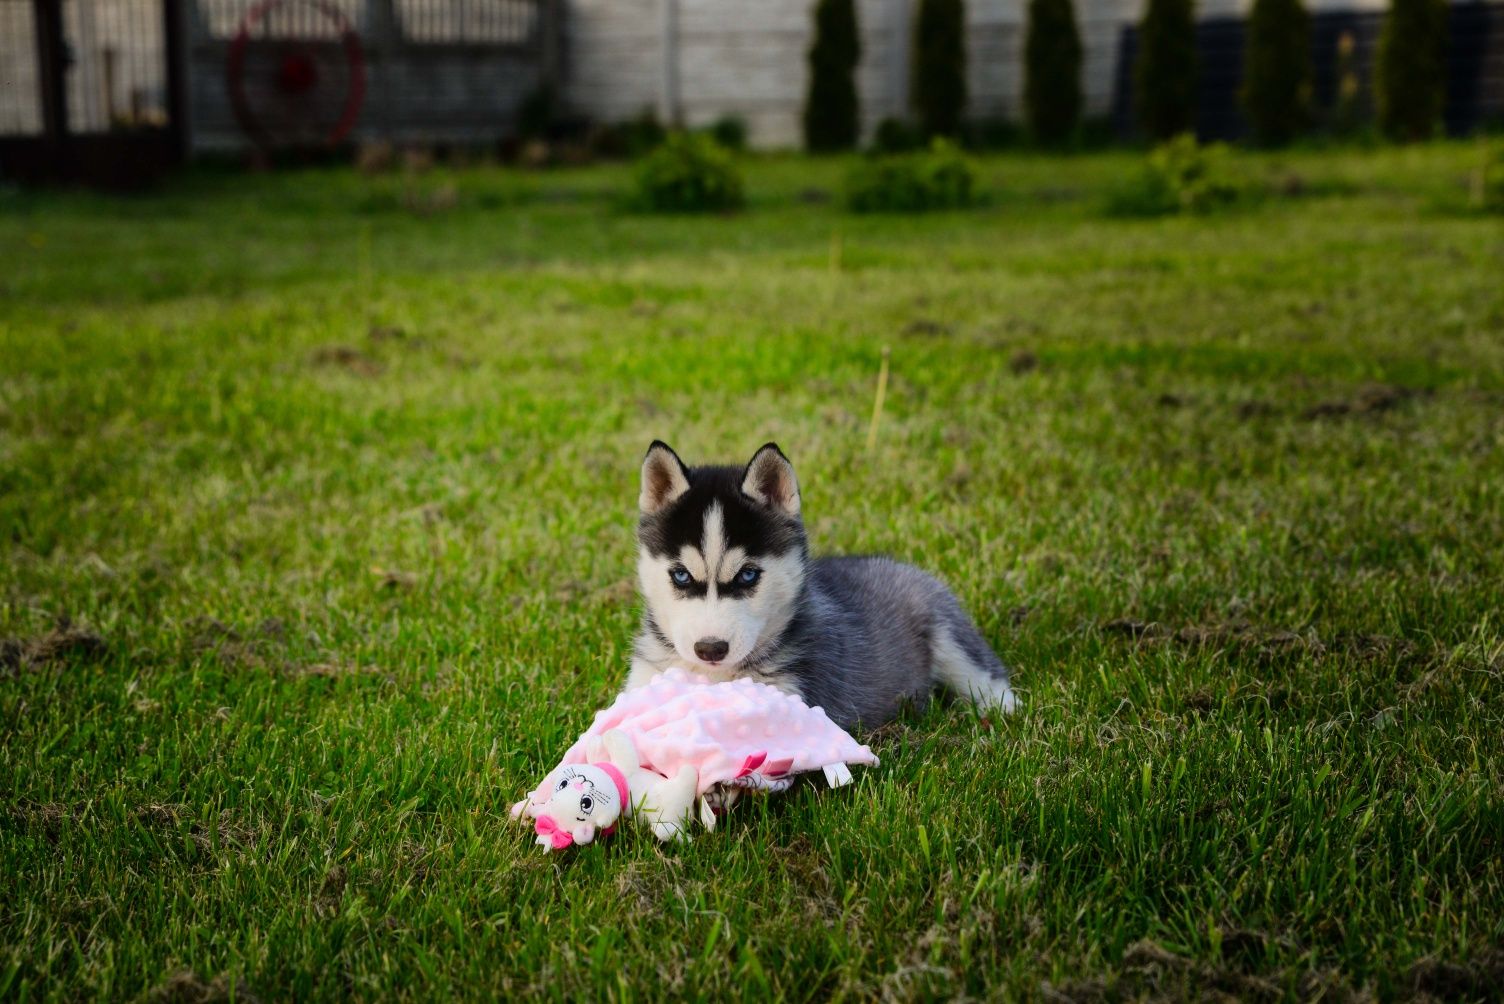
column 747, row 58
column 733, row 57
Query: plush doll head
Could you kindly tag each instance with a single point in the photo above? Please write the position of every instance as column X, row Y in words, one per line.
column 577, row 802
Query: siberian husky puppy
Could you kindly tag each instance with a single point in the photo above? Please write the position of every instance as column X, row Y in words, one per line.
column 729, row 590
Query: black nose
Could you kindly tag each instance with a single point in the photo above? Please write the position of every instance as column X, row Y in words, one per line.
column 712, row 649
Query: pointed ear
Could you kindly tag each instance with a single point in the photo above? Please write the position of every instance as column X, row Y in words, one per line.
column 769, row 479
column 664, row 478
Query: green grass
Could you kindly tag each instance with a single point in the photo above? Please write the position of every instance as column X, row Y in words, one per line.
column 336, row 483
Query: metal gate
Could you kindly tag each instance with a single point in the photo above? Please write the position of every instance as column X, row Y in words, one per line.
column 90, row 90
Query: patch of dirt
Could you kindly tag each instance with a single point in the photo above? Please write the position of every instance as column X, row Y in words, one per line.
column 49, row 817
column 1150, row 971
column 170, row 818
column 64, row 642
column 1023, row 361
column 392, row 580
column 331, row 670
column 209, row 635
column 1130, row 628
column 1168, row 400
column 927, row 327
column 803, row 863
column 1200, row 699
column 1249, row 410
column 643, row 884
column 345, row 357
column 386, row 333
column 1478, row 979
column 187, row 987
column 331, row 893
column 1374, row 399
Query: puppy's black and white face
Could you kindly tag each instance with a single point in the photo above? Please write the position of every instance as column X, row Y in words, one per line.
column 721, row 554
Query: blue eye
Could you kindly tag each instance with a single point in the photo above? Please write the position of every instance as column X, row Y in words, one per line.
column 748, row 575
column 680, row 576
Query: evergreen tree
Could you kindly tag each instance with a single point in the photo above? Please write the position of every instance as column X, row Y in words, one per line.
column 1410, row 73
column 830, row 113
column 1277, row 70
column 939, row 85
column 1165, row 72
column 1052, row 70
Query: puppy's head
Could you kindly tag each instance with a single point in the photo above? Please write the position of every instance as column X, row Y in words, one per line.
column 721, row 553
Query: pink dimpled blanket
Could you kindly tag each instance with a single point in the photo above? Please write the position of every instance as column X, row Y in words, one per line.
column 742, row 733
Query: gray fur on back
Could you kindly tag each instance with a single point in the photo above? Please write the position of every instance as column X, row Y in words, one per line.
column 862, row 642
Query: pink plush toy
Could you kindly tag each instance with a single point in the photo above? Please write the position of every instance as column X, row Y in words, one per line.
column 663, row 746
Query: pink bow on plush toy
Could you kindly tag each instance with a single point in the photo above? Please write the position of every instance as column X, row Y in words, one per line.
column 557, row 836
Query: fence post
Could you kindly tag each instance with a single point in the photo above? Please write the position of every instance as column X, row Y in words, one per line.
column 668, row 41
column 52, row 67
column 900, row 24
column 551, row 57
column 175, row 55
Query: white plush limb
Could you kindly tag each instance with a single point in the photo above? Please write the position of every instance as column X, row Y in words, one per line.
column 667, row 805
column 518, row 808
column 837, row 774
column 620, row 750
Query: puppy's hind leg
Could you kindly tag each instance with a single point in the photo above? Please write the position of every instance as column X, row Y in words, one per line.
column 962, row 660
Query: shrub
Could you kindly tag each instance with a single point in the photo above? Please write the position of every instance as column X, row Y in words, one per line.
column 1052, row 70
column 938, row 178
column 939, row 78
column 1181, row 175
column 1409, row 73
column 1277, row 70
column 1347, row 103
column 537, row 113
column 896, row 136
column 690, row 172
column 730, row 131
column 1165, row 71
column 992, row 133
column 830, row 111
column 632, row 138
column 1488, row 180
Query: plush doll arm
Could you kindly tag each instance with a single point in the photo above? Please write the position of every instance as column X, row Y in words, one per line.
column 667, row 805
column 620, row 750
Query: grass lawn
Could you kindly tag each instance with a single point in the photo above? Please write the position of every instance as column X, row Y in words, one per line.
column 316, row 509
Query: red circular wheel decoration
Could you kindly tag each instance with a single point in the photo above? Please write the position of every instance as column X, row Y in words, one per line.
column 296, row 74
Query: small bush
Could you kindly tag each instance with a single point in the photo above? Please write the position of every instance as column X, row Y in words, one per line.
column 830, row 110
column 537, row 113
column 939, row 77
column 1488, row 180
column 689, row 173
column 992, row 133
column 1181, row 176
column 1409, row 73
column 1277, row 70
column 1346, row 116
column 1165, row 71
column 939, row 178
column 896, row 136
column 730, row 131
column 1052, row 71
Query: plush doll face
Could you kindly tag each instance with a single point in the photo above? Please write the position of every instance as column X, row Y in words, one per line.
column 580, row 801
